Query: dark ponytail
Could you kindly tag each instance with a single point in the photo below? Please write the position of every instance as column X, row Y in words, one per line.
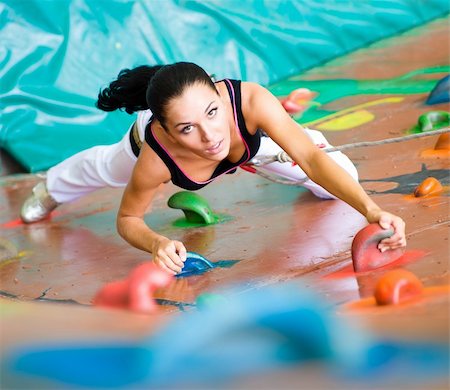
column 170, row 82
column 128, row 91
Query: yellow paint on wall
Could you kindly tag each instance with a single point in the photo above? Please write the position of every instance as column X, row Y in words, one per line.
column 319, row 123
column 347, row 121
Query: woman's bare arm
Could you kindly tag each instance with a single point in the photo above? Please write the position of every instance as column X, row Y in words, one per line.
column 149, row 173
column 268, row 114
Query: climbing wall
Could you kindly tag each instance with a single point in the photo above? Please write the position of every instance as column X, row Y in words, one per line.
column 272, row 234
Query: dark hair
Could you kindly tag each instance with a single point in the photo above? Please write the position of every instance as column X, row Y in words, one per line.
column 128, row 91
column 151, row 87
column 170, row 81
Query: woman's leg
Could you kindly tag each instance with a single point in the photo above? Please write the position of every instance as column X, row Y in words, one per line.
column 295, row 173
column 84, row 172
column 89, row 170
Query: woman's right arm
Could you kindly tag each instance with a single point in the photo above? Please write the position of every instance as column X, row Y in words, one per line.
column 149, row 172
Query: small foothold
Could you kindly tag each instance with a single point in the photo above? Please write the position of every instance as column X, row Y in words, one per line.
column 430, row 186
column 396, row 287
column 443, row 142
column 365, row 253
column 195, row 208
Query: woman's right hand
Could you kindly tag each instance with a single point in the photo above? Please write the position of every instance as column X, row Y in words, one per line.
column 168, row 254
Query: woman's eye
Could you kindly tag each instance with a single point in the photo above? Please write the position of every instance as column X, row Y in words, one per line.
column 186, row 129
column 212, row 112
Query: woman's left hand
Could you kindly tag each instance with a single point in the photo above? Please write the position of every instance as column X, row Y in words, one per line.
column 386, row 221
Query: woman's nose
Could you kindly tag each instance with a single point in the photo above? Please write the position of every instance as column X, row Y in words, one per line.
column 207, row 135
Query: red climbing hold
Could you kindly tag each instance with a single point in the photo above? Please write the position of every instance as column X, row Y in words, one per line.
column 396, row 287
column 365, row 253
column 136, row 292
column 430, row 186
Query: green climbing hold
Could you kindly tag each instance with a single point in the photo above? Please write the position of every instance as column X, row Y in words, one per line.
column 195, row 208
column 432, row 120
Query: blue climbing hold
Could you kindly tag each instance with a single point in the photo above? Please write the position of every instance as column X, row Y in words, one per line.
column 195, row 264
column 440, row 93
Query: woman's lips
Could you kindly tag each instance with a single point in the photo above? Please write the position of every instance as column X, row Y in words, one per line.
column 216, row 148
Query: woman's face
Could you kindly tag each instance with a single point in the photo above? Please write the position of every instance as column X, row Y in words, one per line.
column 197, row 120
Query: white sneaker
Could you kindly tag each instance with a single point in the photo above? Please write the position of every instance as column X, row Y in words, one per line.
column 39, row 205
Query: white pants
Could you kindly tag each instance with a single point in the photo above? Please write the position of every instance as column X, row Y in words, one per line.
column 95, row 168
column 112, row 165
column 295, row 173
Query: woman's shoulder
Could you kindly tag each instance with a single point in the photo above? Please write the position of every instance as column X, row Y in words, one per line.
column 251, row 104
column 251, row 86
column 260, row 107
column 252, row 95
column 247, row 86
column 150, row 169
column 251, row 91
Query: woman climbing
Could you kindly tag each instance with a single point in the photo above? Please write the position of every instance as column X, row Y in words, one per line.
column 191, row 130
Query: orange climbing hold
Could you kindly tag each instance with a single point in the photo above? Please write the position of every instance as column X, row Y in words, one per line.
column 396, row 287
column 441, row 149
column 430, row 186
column 443, row 142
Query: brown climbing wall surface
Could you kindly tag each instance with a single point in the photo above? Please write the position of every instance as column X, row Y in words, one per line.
column 277, row 232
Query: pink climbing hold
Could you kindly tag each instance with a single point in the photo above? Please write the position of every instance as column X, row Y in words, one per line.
column 143, row 281
column 365, row 253
column 292, row 107
column 298, row 100
column 135, row 292
column 113, row 294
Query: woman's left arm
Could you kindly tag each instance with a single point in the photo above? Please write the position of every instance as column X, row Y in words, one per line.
column 265, row 111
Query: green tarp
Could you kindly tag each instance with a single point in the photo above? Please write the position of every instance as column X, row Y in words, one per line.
column 56, row 54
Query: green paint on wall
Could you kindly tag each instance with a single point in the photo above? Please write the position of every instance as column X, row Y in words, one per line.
column 334, row 89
